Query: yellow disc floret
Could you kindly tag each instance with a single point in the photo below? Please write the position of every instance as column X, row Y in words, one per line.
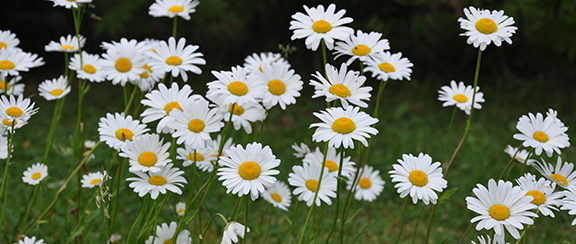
column 461, row 98
column 486, row 26
column 67, row 47
column 238, row 88
column 94, row 181
column 7, row 122
column 56, row 92
column 331, row 165
column 365, row 183
column 418, row 178
column 361, row 50
column 123, row 65
column 343, row 125
column 172, row 105
column 3, row 45
column 124, row 134
column 560, row 179
column 321, row 26
column 540, row 136
column 249, row 170
column 340, row 90
column 176, row 9
column 36, row 176
column 196, row 125
column 238, row 110
column 157, row 180
column 6, row 65
column 174, row 61
column 276, row 197
column 4, row 86
column 168, row 241
column 387, row 67
column 147, row 159
column 499, row 212
column 88, row 68
column 14, row 112
column 196, row 157
column 276, row 87
column 539, row 197
column 312, row 185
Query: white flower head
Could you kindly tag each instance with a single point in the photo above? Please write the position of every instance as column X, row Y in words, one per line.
column 301, row 150
column 93, row 179
column 13, row 61
column 15, row 112
column 332, row 161
column 202, row 156
column 147, row 152
column 115, row 130
column 55, row 88
column 8, row 40
column 11, row 87
column 242, row 116
column 176, row 58
column 487, row 240
column 386, row 66
column 124, row 61
column 168, row 178
column 32, row 240
column 88, row 66
column 570, row 201
column 161, row 102
column 173, row 8
column 180, row 208
column 255, row 61
column 563, row 173
column 484, row 27
column 368, row 185
column 232, row 231
column 461, row 96
column 67, row 44
column 542, row 134
column 35, row 173
column 165, row 232
column 320, row 24
column 542, row 190
column 521, row 155
column 305, row 178
column 69, row 3
column 236, row 86
column 362, row 46
column 195, row 122
column 283, row 85
column 345, row 85
column 278, row 195
column 341, row 127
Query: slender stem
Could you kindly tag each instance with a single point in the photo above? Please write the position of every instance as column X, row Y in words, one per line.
column 245, row 220
column 236, row 207
column 292, row 223
column 119, row 172
column 137, row 219
column 53, row 125
column 430, row 222
column 449, row 133
column 81, row 214
column 6, row 177
column 525, row 231
column 402, row 220
column 155, row 219
column 29, row 207
column 175, row 27
column 337, row 196
column 510, row 162
column 526, row 161
column 324, row 59
column 379, row 96
column 417, row 224
column 131, row 99
column 466, row 233
column 208, row 226
column 361, row 68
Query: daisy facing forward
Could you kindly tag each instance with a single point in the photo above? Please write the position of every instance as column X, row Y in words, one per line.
column 8, row 40
column 248, row 171
column 232, row 231
column 55, row 88
column 484, row 27
column 501, row 206
column 361, row 46
column 461, row 96
column 386, row 66
column 124, row 60
column 542, row 134
column 283, row 85
column 11, row 87
column 16, row 111
column 13, row 61
column 155, row 183
column 195, row 122
column 341, row 127
column 89, row 68
column 543, row 192
column 147, row 153
column 563, row 173
column 67, row 44
column 116, row 129
column 93, row 179
column 278, row 195
column 320, row 25
column 202, row 156
column 173, row 8
column 236, row 86
column 176, row 58
column 161, row 102
column 369, row 184
column 164, row 234
column 35, row 173
column 419, row 177
column 305, row 179
column 347, row 86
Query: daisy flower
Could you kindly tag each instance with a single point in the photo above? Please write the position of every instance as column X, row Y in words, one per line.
column 461, row 96
column 361, row 46
column 8, row 40
column 554, row 114
column 93, row 179
column 123, row 60
column 13, row 61
column 67, row 44
column 543, row 192
column 254, row 62
column 10, row 87
column 320, row 24
column 484, row 27
column 116, row 129
column 88, row 67
column 237, row 86
column 4, row 147
column 177, row 58
column 340, row 127
column 570, row 201
column 501, row 206
column 164, row 234
column 173, row 8
column 347, row 86
column 147, row 153
column 195, row 122
column 216, row 146
column 203, row 157
column 386, row 66
column 115, row 238
column 521, row 156
column 232, row 231
column 283, row 85
column 69, row 3
column 180, row 208
column 167, row 178
column 419, row 177
column 487, row 240
column 19, row 109
column 148, row 79
column 162, row 101
column 542, row 134
column 305, row 179
column 278, row 195
column 242, row 116
column 332, row 161
column 301, row 150
column 28, row 240
column 55, row 88
column 369, row 184
column 563, row 173
column 35, row 173
column 248, row 170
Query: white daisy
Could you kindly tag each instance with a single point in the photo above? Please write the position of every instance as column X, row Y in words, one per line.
column 164, row 235
column 255, row 61
column 543, row 193
column 347, row 86
column 20, row 109
column 232, row 231
column 67, row 44
column 162, row 101
column 419, row 177
column 301, row 150
column 116, row 129
column 501, row 206
column 570, row 201
column 283, row 85
column 124, row 60
column 89, row 67
column 4, row 147
column 55, row 88
column 461, row 96
column 554, row 114
column 320, row 25
column 195, row 122
column 11, row 87
column 173, row 8
column 340, row 127
column 242, row 116
column 237, row 86
column 248, row 170
column 180, row 208
column 305, row 179
column 115, row 238
column 521, row 156
column 563, row 173
column 332, row 161
column 361, row 46
column 278, row 195
column 488, row 240
column 203, row 157
column 484, row 27
column 93, row 179
column 542, row 134
column 8, row 40
column 369, row 184
column 177, row 58
column 35, row 173
column 147, row 152
column 13, row 61
column 148, row 79
column 155, row 183
column 69, row 3
column 28, row 240
column 386, row 66
column 216, row 146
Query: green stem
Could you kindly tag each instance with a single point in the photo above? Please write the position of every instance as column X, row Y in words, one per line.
column 510, row 162
column 81, row 214
column 292, row 222
column 29, row 207
column 337, row 196
column 137, row 219
column 236, row 207
column 155, row 220
column 131, row 99
column 402, row 220
column 449, row 133
column 417, row 224
column 53, row 125
column 208, row 226
column 430, row 222
column 174, row 28
column 526, row 161
column 6, row 177
column 525, row 230
column 245, row 221
column 119, row 172
column 324, row 59
column 466, row 233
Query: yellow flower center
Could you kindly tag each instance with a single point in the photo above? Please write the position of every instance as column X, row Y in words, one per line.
column 196, row 125
column 123, row 65
column 249, row 170
column 386, row 67
column 180, row 211
column 361, row 50
column 89, row 69
column 560, row 179
column 174, row 61
column 276, row 87
column 276, row 197
column 14, row 112
column 157, row 180
column 56, row 92
column 6, row 65
column 340, row 90
column 7, row 122
column 418, row 178
column 67, row 47
column 4, row 86
column 365, row 183
column 238, row 110
column 486, row 26
column 196, row 157
column 321, row 26
column 331, row 165
column 176, row 9
column 172, row 105
column 539, row 198
column 540, row 136
column 499, row 212
column 124, row 134
column 312, row 185
column 36, row 176
column 238, row 88
column 169, row 241
column 343, row 125
column 147, row 71
column 147, row 159
column 3, row 45
column 94, row 181
column 461, row 98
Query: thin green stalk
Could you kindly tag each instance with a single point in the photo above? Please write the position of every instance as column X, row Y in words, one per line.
column 314, row 221
column 466, row 233
column 510, row 162
column 449, row 133
column 417, row 224
column 137, row 219
column 82, row 214
column 245, row 220
column 379, row 96
column 525, row 230
column 292, row 222
column 430, row 222
column 526, row 161
column 337, row 196
column 174, row 28
column 29, row 207
column 154, row 221
column 6, row 177
column 362, row 68
column 402, row 220
column 264, row 214
column 236, row 207
column 55, row 118
column 119, row 172
column 130, row 100
column 324, row 59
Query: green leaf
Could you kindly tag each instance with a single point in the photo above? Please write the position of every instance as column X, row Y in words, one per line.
column 288, row 219
column 447, row 195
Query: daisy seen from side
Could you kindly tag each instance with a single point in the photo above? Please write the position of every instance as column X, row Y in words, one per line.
column 301, row 150
column 55, row 88
column 563, row 173
column 167, row 179
column 484, row 27
column 161, row 102
column 115, row 130
column 11, row 87
column 341, row 127
column 35, row 173
column 542, row 134
column 69, row 3
column 386, row 66
column 13, row 61
column 88, row 66
column 93, row 179
column 521, row 156
column 278, row 195
column 165, row 232
column 368, row 185
column 8, row 40
column 195, row 122
column 346, row 86
column 570, row 201
column 461, row 96
column 418, row 177
column 176, row 58
column 283, row 85
column 543, row 193
column 319, row 24
column 333, row 159
column 147, row 152
column 305, row 178
column 67, row 44
column 232, row 231
column 236, row 86
column 180, row 208
column 173, row 8
column 362, row 46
